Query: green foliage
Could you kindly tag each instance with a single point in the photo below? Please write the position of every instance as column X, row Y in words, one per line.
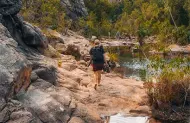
column 45, row 13
column 139, row 18
column 113, row 57
column 171, row 81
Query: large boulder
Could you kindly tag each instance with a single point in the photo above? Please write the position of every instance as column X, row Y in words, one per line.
column 14, row 77
column 33, row 36
column 10, row 7
column 15, row 69
column 21, row 31
column 51, row 106
column 75, row 8
column 47, row 73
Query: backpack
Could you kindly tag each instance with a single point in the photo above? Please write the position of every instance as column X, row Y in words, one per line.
column 97, row 54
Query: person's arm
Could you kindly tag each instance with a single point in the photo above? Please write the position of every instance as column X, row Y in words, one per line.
column 90, row 57
column 105, row 59
column 90, row 61
column 104, row 55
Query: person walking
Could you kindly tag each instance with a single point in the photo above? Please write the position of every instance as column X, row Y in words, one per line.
column 97, row 61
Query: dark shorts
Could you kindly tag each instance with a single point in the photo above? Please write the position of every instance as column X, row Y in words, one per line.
column 97, row 67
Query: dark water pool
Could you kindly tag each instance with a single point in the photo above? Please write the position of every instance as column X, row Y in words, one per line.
column 134, row 65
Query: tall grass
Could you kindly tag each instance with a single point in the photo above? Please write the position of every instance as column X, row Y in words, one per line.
column 168, row 83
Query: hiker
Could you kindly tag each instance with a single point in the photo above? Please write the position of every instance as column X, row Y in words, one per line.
column 97, row 61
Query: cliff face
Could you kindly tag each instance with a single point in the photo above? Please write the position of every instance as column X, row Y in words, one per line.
column 75, row 8
column 28, row 80
column 21, row 31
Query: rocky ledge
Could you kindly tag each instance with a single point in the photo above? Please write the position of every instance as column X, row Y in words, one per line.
column 40, row 91
column 35, row 88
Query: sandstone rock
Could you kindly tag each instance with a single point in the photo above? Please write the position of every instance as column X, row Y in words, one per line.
column 175, row 48
column 19, row 30
column 187, row 49
column 61, row 48
column 82, row 62
column 64, row 74
column 69, row 66
column 141, row 110
column 55, row 36
column 51, row 52
column 89, row 115
column 76, row 120
column 68, row 83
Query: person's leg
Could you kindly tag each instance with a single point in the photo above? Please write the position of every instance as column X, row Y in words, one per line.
column 95, row 79
column 99, row 76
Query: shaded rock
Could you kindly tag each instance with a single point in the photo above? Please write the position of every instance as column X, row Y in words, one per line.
column 73, row 50
column 47, row 73
column 32, row 36
column 1, row 16
column 41, row 84
column 4, row 115
column 15, row 69
column 75, row 8
column 10, row 7
column 2, row 103
column 5, row 81
column 34, row 77
column 21, row 117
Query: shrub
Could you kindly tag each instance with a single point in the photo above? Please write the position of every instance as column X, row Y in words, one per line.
column 113, row 57
column 172, row 83
column 45, row 14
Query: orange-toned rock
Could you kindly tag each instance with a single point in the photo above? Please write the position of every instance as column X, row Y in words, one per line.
column 175, row 48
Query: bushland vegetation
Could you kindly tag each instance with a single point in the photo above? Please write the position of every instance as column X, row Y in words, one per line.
column 167, row 19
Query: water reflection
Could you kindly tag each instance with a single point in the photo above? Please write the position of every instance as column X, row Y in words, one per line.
column 121, row 119
column 134, row 66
